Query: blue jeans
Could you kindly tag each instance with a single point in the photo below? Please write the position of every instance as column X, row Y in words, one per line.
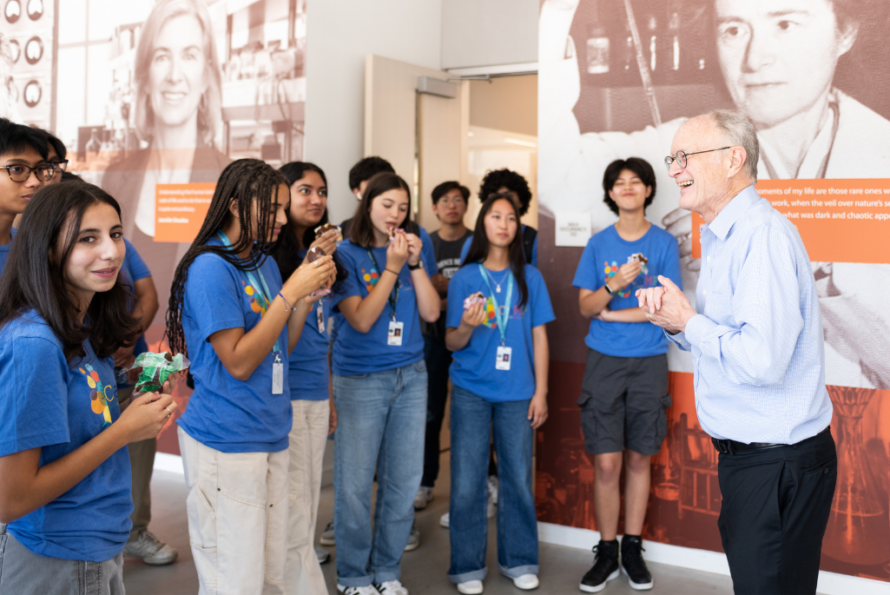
column 471, row 423
column 380, row 425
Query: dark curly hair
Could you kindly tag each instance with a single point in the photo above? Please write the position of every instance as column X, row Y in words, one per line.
column 638, row 166
column 505, row 178
column 366, row 169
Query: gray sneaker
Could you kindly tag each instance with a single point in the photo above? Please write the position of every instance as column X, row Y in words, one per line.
column 423, row 498
column 327, row 536
column 150, row 550
column 413, row 540
column 322, row 554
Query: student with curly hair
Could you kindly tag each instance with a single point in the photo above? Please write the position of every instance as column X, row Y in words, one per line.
column 236, row 319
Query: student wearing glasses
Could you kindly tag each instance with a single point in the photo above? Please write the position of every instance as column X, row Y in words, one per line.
column 23, row 154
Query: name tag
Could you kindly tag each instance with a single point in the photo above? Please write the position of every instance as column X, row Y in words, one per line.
column 277, row 377
column 504, row 356
column 396, row 329
column 319, row 318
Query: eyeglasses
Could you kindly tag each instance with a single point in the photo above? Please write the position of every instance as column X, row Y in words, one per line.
column 682, row 156
column 61, row 164
column 21, row 173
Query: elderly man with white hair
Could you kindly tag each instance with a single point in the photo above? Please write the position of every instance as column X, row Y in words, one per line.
column 756, row 341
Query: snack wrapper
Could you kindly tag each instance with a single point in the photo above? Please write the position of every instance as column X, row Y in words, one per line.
column 312, row 255
column 638, row 257
column 393, row 231
column 156, row 369
column 323, row 229
column 476, row 298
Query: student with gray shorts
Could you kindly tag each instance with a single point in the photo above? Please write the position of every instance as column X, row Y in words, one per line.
column 625, row 389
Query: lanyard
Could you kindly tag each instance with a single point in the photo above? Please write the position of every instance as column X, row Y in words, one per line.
column 256, row 286
column 394, row 296
column 502, row 320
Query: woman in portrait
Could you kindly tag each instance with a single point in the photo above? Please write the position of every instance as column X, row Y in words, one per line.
column 177, row 111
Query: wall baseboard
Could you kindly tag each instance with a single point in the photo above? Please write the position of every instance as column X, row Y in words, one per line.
column 830, row 583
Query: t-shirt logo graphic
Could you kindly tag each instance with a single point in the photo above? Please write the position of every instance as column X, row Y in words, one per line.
column 370, row 277
column 99, row 397
column 490, row 318
column 257, row 303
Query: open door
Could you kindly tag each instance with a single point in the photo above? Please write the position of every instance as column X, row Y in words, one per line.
column 423, row 135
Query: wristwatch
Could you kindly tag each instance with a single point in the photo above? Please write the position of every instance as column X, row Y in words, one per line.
column 609, row 290
column 414, row 267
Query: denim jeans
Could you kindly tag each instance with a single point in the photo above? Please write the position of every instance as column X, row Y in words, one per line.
column 472, row 418
column 438, row 359
column 380, row 424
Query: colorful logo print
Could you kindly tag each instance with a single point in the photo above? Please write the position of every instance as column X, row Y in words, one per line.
column 370, row 277
column 610, row 271
column 99, row 396
column 490, row 317
column 257, row 302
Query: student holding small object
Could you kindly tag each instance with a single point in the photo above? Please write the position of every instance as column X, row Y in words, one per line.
column 66, row 474
column 497, row 309
column 228, row 305
column 306, row 237
column 624, row 396
column 380, row 386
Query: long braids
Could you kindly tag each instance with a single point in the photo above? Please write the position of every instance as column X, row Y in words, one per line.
column 244, row 180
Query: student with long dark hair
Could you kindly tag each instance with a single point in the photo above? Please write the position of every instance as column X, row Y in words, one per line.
column 66, row 474
column 501, row 359
column 380, row 388
column 231, row 313
column 315, row 418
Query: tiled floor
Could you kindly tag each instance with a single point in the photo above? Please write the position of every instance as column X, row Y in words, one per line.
column 423, row 570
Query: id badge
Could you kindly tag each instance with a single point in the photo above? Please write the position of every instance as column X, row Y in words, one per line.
column 277, row 376
column 504, row 355
column 396, row 329
column 319, row 318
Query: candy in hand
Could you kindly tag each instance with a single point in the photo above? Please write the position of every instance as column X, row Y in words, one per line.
column 393, row 231
column 312, row 255
column 638, row 257
column 476, row 298
column 156, row 368
column 323, row 229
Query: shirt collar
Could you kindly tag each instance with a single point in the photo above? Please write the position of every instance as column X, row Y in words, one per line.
column 732, row 212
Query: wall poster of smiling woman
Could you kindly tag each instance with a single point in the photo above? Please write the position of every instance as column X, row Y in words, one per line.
column 153, row 98
column 814, row 78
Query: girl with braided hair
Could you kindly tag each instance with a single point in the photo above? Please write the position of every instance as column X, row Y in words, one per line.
column 237, row 321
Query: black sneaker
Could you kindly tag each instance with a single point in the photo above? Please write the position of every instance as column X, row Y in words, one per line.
column 604, row 569
column 632, row 563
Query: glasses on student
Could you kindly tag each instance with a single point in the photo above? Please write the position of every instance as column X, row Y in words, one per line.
column 682, row 156
column 21, row 173
column 61, row 164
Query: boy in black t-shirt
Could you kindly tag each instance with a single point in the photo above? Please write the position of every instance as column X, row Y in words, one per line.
column 450, row 205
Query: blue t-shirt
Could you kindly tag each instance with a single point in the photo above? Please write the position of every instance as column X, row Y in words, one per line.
column 427, row 251
column 473, row 368
column 308, row 366
column 58, row 407
column 605, row 253
column 534, row 262
column 4, row 250
column 134, row 269
column 358, row 353
column 223, row 412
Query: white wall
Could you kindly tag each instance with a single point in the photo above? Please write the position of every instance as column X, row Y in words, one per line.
column 489, row 32
column 340, row 34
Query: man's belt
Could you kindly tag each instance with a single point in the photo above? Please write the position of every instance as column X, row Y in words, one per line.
column 728, row 446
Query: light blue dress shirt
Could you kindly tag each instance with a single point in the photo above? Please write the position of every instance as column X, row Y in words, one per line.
column 756, row 342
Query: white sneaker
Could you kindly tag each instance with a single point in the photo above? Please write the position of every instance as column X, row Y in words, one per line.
column 423, row 498
column 413, row 539
column 391, row 588
column 327, row 536
column 470, row 587
column 150, row 550
column 445, row 520
column 493, row 488
column 366, row 590
column 526, row 582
